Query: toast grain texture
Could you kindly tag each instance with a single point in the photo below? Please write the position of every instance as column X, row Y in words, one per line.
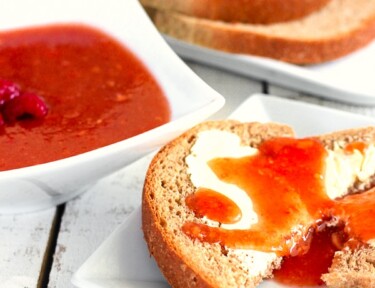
column 352, row 269
column 245, row 11
column 339, row 28
column 188, row 263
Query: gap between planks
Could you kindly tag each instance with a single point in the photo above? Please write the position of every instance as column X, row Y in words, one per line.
column 51, row 248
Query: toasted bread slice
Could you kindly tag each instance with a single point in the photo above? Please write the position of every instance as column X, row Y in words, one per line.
column 253, row 11
column 192, row 263
column 187, row 263
column 339, row 28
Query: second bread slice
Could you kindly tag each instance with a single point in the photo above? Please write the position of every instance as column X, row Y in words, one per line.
column 253, row 11
column 338, row 29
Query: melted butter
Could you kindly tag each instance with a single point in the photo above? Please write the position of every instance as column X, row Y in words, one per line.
column 348, row 165
column 202, row 176
column 285, row 171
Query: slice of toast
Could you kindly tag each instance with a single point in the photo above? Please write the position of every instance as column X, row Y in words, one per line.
column 253, row 11
column 187, row 263
column 339, row 28
column 193, row 263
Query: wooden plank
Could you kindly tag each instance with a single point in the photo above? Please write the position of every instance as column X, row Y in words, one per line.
column 89, row 219
column 23, row 242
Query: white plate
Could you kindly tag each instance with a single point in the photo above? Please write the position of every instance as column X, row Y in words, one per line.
column 349, row 79
column 42, row 186
column 123, row 261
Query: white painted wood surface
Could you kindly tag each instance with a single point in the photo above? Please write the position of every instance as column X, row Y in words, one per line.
column 89, row 219
column 23, row 241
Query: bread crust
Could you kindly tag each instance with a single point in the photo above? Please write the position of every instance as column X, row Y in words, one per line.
column 245, row 11
column 342, row 138
column 285, row 42
column 169, row 260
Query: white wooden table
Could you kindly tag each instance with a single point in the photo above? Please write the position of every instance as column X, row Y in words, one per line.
column 44, row 249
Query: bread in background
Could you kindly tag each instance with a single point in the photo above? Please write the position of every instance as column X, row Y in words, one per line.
column 338, row 29
column 246, row 11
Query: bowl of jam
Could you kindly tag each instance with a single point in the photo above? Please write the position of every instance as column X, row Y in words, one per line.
column 84, row 91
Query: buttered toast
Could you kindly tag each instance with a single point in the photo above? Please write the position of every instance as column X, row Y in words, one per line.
column 195, row 246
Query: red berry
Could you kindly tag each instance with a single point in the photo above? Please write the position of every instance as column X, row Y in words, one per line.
column 8, row 91
column 25, row 105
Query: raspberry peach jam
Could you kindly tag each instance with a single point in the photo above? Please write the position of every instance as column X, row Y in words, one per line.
column 96, row 91
column 285, row 181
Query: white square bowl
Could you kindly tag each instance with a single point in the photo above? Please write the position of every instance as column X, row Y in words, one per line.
column 191, row 100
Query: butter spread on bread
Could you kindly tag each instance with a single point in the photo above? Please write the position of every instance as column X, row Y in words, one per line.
column 291, row 174
column 201, row 175
column 343, row 170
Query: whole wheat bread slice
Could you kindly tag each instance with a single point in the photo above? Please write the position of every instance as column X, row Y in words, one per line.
column 246, row 11
column 188, row 263
column 339, row 28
